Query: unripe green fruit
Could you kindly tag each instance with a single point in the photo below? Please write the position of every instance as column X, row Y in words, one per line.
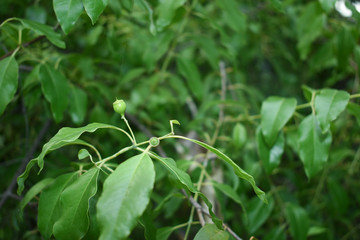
column 119, row 107
column 154, row 141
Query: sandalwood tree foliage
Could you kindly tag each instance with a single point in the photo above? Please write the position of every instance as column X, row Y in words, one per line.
column 233, row 119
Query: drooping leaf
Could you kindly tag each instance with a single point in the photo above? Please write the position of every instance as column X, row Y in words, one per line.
column 8, row 81
column 78, row 105
column 94, row 8
column 49, row 208
column 185, row 181
column 275, row 113
column 329, row 103
column 298, row 221
column 67, row 13
column 258, row 213
column 211, row 232
column 166, row 11
column 125, row 196
column 354, row 109
column 190, row 72
column 55, row 89
column 313, row 145
column 35, row 190
column 239, row 135
column 270, row 156
column 74, row 220
column 238, row 170
column 42, row 29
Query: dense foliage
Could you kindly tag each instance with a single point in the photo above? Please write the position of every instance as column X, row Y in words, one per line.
column 272, row 84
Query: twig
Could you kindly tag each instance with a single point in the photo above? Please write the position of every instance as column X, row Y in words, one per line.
column 206, row 212
column 24, row 45
column 8, row 193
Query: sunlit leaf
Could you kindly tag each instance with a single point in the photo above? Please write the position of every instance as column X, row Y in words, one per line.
column 125, row 196
column 329, row 103
column 275, row 113
column 94, row 8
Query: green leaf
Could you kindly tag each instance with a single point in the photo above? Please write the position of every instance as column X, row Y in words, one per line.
column 147, row 220
column 275, row 113
column 185, row 181
column 270, row 156
column 232, row 14
column 74, row 220
column 239, row 135
column 308, row 92
column 55, row 89
column 83, row 153
column 67, row 13
column 78, row 105
column 313, row 145
column 94, row 8
column 298, row 221
column 327, row 5
column 49, row 208
column 147, row 6
column 258, row 213
column 125, row 196
column 164, row 233
column 339, row 197
column 329, row 103
column 21, row 179
column 42, row 29
column 231, row 193
column 190, row 72
column 354, row 109
column 211, row 232
column 35, row 190
column 238, row 170
column 128, row 4
column 166, row 10
column 8, row 81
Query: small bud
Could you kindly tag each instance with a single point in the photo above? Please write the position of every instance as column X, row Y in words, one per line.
column 119, row 107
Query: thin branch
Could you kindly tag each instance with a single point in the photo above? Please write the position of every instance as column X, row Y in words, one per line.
column 8, row 193
column 24, row 45
column 206, row 212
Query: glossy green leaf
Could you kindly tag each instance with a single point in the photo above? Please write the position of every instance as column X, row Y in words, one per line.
column 35, row 190
column 185, row 181
column 67, row 13
column 74, row 220
column 78, row 105
column 329, row 103
column 94, row 8
column 190, row 72
column 270, row 156
column 8, row 81
column 275, row 113
column 49, row 208
column 238, row 170
column 298, row 221
column 354, row 109
column 166, row 10
column 55, row 89
column 258, row 213
column 42, row 29
column 313, row 145
column 239, row 135
column 125, row 196
column 211, row 232
column 232, row 14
